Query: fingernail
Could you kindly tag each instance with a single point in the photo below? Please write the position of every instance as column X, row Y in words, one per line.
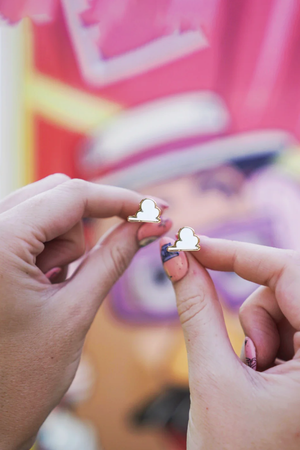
column 248, row 353
column 52, row 274
column 175, row 263
column 149, row 232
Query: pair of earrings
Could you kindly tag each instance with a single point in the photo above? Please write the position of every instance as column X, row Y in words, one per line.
column 187, row 240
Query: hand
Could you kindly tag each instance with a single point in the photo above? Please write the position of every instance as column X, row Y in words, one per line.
column 43, row 325
column 232, row 406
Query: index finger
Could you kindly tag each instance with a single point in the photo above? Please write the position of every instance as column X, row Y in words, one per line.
column 30, row 190
column 276, row 268
column 257, row 263
column 53, row 213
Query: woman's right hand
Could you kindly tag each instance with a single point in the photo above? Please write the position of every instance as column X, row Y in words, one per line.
column 43, row 325
column 232, row 406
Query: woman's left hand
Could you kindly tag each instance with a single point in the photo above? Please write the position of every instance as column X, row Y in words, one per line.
column 232, row 406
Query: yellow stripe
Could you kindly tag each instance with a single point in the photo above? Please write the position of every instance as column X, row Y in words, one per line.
column 57, row 102
column 66, row 106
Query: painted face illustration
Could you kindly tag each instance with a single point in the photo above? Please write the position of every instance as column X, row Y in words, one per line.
column 146, row 96
column 145, row 348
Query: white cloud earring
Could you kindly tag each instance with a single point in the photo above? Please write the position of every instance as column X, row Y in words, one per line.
column 187, row 241
column 148, row 212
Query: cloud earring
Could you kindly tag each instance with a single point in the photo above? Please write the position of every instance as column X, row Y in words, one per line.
column 148, row 212
column 187, row 241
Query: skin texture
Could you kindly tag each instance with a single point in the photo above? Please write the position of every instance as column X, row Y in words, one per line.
column 145, row 358
column 232, row 406
column 43, row 325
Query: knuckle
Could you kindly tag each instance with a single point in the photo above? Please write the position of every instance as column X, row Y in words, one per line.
column 9, row 230
column 288, row 259
column 78, row 248
column 250, row 309
column 292, row 257
column 81, row 247
column 191, row 307
column 243, row 311
column 75, row 241
column 78, row 317
column 59, row 178
column 76, row 184
column 120, row 258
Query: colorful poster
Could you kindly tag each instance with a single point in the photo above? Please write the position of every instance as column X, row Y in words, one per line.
column 196, row 102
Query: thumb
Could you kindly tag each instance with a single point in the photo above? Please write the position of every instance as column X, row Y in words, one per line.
column 105, row 264
column 208, row 346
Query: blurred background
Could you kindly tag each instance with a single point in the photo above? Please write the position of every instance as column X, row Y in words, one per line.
column 194, row 101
